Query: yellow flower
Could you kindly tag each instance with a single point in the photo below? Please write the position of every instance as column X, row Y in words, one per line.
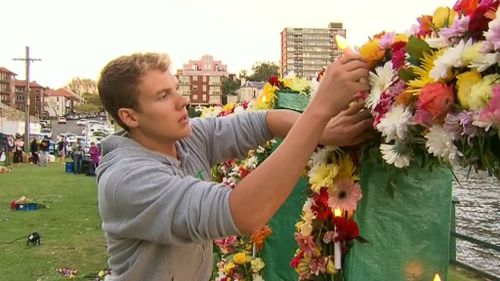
column 303, row 268
column 346, row 169
column 229, row 107
column 371, row 52
column 240, row 258
column 480, row 93
column 228, row 267
column 443, row 17
column 296, row 84
column 305, row 228
column 257, row 265
column 423, row 71
column 266, row 97
column 464, row 83
column 330, row 266
column 322, row 175
column 401, row 37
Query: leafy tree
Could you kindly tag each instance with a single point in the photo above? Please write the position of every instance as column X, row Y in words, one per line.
column 262, row 71
column 80, row 86
column 230, row 86
column 92, row 103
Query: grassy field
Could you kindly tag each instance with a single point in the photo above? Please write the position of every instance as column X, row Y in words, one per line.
column 69, row 226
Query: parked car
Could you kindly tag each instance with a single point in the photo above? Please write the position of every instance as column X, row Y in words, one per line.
column 80, row 122
column 61, row 120
column 46, row 132
column 44, row 123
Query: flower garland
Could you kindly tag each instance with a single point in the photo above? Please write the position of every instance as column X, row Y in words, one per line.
column 238, row 257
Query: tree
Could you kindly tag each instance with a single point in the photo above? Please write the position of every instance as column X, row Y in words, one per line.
column 230, row 86
column 80, row 86
column 92, row 103
column 262, row 71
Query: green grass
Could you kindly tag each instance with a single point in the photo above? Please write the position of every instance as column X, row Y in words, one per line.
column 70, row 226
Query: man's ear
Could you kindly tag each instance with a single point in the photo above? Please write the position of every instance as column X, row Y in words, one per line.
column 128, row 117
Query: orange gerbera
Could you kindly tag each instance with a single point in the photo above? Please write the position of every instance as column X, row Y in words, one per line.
column 260, row 236
column 372, row 52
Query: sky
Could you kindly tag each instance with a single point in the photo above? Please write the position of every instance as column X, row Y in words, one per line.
column 76, row 38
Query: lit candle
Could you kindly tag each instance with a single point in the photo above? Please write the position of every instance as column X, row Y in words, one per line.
column 342, row 43
column 254, row 250
column 337, row 254
column 436, row 278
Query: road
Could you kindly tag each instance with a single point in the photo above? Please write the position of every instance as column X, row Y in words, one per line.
column 69, row 127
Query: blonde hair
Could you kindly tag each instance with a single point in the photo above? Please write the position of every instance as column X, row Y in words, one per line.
column 120, row 78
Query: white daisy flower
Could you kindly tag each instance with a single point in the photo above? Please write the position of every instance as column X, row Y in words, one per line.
column 394, row 154
column 452, row 57
column 321, row 155
column 394, row 125
column 440, row 144
column 379, row 81
column 438, row 42
column 481, row 63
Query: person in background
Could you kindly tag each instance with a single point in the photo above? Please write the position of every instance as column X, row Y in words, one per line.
column 35, row 159
column 18, row 150
column 77, row 159
column 61, row 148
column 44, row 149
column 95, row 157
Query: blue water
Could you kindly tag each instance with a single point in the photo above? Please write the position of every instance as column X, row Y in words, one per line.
column 478, row 216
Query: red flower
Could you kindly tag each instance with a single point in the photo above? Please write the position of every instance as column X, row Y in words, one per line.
column 274, row 81
column 465, row 7
column 480, row 18
column 320, row 207
column 398, row 54
column 296, row 259
column 425, row 26
column 346, row 229
column 243, row 172
column 13, row 204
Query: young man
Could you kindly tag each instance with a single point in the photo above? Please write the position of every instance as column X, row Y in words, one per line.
column 159, row 218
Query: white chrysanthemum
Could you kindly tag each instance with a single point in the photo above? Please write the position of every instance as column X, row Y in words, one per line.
column 438, row 43
column 452, row 57
column 484, row 61
column 440, row 144
column 394, row 125
column 321, row 155
column 379, row 81
column 392, row 154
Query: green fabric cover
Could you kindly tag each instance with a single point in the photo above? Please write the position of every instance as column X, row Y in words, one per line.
column 408, row 235
column 280, row 247
column 293, row 101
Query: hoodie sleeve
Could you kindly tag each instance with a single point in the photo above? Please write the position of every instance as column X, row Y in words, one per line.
column 145, row 201
column 231, row 136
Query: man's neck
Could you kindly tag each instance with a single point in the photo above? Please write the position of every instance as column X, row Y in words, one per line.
column 167, row 148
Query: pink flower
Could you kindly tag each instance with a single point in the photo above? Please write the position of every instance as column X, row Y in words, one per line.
column 306, row 243
column 318, row 265
column 434, row 100
column 398, row 54
column 491, row 114
column 226, row 244
column 346, row 196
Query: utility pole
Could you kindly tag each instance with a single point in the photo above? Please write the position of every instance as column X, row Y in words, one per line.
column 27, row 59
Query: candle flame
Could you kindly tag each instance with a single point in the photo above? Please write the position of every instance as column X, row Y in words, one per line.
column 436, row 277
column 337, row 212
column 342, row 43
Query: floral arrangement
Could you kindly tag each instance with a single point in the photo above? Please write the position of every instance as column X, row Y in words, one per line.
column 290, row 84
column 25, row 203
column 435, row 93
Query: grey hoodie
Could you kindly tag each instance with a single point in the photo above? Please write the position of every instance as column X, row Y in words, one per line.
column 159, row 218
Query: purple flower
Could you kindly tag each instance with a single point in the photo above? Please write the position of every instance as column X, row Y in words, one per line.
column 458, row 29
column 466, row 119
column 387, row 40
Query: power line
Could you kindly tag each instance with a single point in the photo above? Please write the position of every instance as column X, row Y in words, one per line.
column 27, row 60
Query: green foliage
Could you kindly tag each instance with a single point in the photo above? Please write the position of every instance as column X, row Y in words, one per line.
column 70, row 225
column 92, row 103
column 229, row 86
column 262, row 71
column 416, row 49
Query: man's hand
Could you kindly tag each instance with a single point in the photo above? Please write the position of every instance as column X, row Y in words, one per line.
column 351, row 126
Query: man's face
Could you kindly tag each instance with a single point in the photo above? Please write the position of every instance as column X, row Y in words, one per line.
column 162, row 114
